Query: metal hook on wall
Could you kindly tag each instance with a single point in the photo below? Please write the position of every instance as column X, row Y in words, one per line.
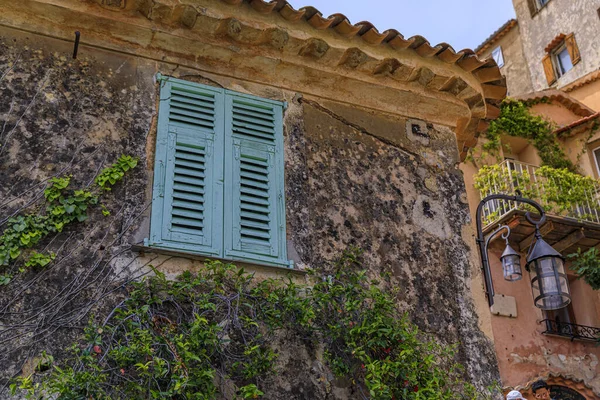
column 76, row 46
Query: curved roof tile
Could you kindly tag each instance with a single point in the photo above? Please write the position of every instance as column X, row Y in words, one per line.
column 364, row 29
column 486, row 72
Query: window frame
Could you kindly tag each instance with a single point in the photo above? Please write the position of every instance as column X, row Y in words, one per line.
column 222, row 176
column 559, row 68
column 596, row 161
column 541, row 3
column 498, row 50
column 535, row 6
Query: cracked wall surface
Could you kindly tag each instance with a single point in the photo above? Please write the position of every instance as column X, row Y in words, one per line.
column 354, row 177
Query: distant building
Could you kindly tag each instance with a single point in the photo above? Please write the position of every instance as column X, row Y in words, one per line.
column 552, row 44
column 550, row 58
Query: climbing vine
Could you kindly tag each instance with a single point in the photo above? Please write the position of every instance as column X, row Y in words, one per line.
column 516, row 120
column 63, row 207
column 211, row 334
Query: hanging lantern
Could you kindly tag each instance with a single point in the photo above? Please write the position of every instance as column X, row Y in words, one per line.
column 549, row 281
column 511, row 264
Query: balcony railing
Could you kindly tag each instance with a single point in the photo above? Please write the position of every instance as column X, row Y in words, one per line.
column 571, row 331
column 510, row 176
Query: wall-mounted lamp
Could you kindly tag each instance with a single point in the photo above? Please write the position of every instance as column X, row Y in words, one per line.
column 549, row 280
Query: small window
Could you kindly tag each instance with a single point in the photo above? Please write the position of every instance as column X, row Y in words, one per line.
column 536, row 5
column 562, row 61
column 561, row 321
column 562, row 54
column 596, row 153
column 542, row 3
column 498, row 57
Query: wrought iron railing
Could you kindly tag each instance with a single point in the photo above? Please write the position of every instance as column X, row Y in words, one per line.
column 571, row 331
column 515, row 175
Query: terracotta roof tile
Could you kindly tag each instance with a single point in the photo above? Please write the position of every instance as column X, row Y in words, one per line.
column 483, row 103
column 563, row 98
column 494, row 37
column 577, row 123
column 364, row 29
column 555, row 42
column 584, row 80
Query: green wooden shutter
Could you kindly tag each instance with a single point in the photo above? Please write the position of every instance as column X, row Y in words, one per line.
column 254, row 200
column 187, row 207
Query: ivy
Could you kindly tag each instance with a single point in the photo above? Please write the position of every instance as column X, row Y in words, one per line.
column 39, row 260
column 63, row 207
column 516, row 120
column 113, row 174
column 587, row 266
column 209, row 333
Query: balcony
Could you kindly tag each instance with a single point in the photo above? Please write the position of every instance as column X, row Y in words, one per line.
column 571, row 331
column 554, row 192
column 572, row 203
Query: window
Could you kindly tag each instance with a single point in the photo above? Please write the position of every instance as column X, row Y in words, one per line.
column 560, row 321
column 218, row 176
column 536, row 5
column 596, row 153
column 542, row 3
column 561, row 55
column 498, row 57
column 562, row 61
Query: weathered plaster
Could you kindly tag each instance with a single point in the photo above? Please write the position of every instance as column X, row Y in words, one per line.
column 576, row 16
column 588, row 95
column 516, row 68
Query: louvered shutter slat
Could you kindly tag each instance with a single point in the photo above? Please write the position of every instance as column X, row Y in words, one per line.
column 190, row 139
column 182, row 224
column 253, row 150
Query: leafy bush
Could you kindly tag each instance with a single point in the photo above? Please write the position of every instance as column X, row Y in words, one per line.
column 189, row 338
column 587, row 266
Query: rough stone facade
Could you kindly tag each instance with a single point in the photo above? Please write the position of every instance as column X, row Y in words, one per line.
column 537, row 32
column 371, row 177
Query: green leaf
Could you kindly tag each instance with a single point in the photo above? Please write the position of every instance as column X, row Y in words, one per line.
column 15, row 252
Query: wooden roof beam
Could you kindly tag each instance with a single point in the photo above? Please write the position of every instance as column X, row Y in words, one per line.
column 544, row 230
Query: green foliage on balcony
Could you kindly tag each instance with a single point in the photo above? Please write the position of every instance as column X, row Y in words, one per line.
column 558, row 190
column 516, row 120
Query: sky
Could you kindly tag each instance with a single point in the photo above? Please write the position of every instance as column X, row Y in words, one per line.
column 461, row 23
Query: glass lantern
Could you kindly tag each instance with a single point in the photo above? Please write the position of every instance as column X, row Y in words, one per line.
column 511, row 264
column 549, row 280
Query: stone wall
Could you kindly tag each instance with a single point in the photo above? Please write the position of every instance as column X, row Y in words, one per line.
column 579, row 17
column 354, row 176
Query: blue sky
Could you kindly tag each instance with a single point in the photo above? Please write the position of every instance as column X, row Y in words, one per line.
column 461, row 23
